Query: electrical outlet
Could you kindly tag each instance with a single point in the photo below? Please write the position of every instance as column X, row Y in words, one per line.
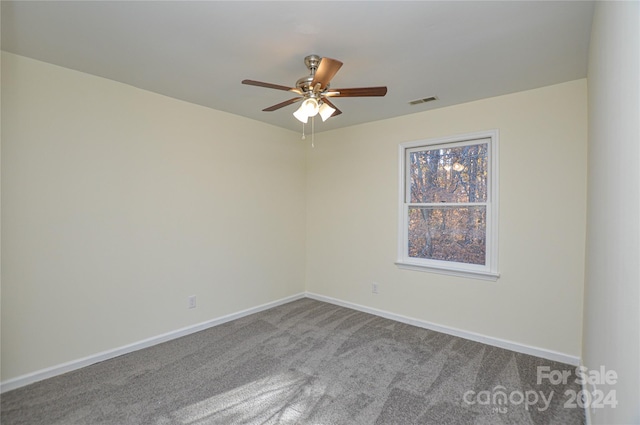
column 192, row 301
column 374, row 287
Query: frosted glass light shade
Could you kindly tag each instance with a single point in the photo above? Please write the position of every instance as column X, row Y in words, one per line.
column 301, row 115
column 309, row 108
column 326, row 111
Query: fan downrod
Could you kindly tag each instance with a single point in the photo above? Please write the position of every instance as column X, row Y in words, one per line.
column 304, row 84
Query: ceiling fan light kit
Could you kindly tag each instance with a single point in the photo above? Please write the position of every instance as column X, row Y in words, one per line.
column 310, row 108
column 314, row 91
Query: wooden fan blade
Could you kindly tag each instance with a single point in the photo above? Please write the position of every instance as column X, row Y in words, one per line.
column 337, row 111
column 357, row 92
column 326, row 70
column 267, row 85
column 282, row 104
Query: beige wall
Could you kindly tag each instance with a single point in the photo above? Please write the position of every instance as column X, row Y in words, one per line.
column 352, row 219
column 118, row 204
column 612, row 287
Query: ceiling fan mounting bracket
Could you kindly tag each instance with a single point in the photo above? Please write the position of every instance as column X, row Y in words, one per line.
column 312, row 62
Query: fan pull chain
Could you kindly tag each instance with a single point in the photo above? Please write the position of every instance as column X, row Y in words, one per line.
column 303, row 136
column 313, row 121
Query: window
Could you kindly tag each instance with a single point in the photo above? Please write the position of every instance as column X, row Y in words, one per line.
column 449, row 205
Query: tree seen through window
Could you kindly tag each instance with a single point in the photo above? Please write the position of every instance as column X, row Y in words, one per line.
column 447, row 212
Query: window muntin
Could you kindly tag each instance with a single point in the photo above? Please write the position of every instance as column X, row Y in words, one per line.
column 448, row 206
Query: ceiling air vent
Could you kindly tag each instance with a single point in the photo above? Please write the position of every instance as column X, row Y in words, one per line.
column 425, row 100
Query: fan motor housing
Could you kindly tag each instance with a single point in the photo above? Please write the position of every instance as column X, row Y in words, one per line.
column 304, row 83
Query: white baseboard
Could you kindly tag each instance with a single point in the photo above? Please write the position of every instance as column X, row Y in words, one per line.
column 587, row 410
column 496, row 342
column 50, row 372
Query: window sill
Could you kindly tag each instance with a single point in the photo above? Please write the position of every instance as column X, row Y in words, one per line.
column 473, row 274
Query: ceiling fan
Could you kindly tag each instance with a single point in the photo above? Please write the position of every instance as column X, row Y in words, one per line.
column 314, row 91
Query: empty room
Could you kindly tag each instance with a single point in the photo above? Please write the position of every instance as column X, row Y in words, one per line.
column 320, row 212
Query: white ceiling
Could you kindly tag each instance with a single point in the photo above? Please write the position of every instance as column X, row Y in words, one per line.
column 200, row 51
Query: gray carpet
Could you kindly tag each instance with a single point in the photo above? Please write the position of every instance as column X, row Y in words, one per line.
column 306, row 362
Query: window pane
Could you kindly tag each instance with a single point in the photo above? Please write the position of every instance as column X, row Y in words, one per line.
column 457, row 174
column 448, row 234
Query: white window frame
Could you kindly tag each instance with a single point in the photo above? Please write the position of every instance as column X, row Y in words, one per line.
column 488, row 271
